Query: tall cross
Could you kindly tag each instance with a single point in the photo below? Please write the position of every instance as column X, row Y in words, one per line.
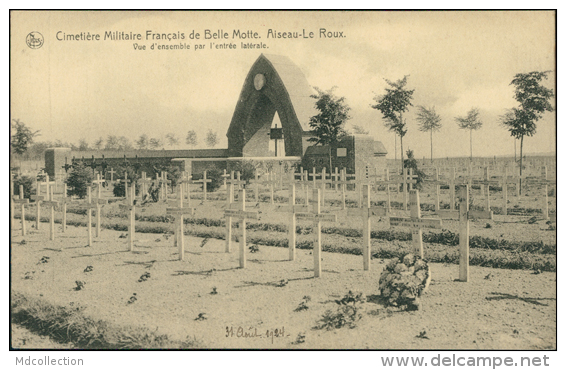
column 323, row 181
column 416, row 223
column 235, row 181
column 292, row 209
column 365, row 212
column 179, row 213
column 313, row 175
column 317, row 217
column 238, row 210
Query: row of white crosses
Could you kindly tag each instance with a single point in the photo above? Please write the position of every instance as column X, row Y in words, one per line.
column 544, row 182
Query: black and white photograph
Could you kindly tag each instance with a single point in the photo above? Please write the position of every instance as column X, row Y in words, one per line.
column 297, row 180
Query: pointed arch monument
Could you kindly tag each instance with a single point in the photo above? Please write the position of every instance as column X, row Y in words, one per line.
column 273, row 84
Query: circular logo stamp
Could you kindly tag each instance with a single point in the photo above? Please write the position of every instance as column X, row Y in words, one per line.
column 34, row 40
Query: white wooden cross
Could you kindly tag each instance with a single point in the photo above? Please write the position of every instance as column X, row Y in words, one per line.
column 256, row 183
column 292, row 209
column 89, row 205
column 485, row 182
column 313, row 175
column 144, row 181
column 99, row 201
column 335, row 177
column 126, row 183
column 409, row 180
column 464, row 235
column 387, row 182
column 237, row 183
column 365, row 213
column 38, row 198
column 204, row 181
column 544, row 182
column 270, row 181
column 343, row 183
column 436, row 182
column 22, row 202
column 317, row 219
column 324, row 179
column 238, row 210
column 52, row 204
column 225, row 176
column 12, row 208
column 63, row 201
column 179, row 213
column 131, row 207
column 111, row 172
column 416, row 223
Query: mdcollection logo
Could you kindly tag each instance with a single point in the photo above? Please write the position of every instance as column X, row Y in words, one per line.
column 34, row 40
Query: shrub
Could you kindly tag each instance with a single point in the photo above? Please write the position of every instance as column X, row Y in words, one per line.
column 79, row 179
column 347, row 314
column 27, row 183
column 214, row 175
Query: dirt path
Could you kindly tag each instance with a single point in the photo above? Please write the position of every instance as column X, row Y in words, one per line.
column 497, row 309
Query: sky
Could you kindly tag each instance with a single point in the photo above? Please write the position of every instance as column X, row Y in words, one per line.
column 70, row 90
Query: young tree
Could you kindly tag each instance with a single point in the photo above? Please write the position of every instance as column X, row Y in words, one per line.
column 392, row 105
column 172, row 139
column 328, row 125
column 154, row 143
column 112, row 143
column 360, row 130
column 428, row 120
column 534, row 100
column 22, row 138
column 470, row 122
column 98, row 144
column 142, row 142
column 83, row 145
column 191, row 139
column 211, row 139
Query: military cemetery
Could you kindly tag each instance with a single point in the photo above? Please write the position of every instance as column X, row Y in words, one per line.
column 291, row 232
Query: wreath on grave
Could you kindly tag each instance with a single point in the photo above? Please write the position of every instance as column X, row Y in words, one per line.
column 403, row 282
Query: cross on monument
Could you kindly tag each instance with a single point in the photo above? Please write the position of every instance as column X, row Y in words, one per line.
column 317, row 217
column 416, row 223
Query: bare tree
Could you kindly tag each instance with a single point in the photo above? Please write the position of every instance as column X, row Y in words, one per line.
column 98, row 144
column 470, row 122
column 428, row 120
